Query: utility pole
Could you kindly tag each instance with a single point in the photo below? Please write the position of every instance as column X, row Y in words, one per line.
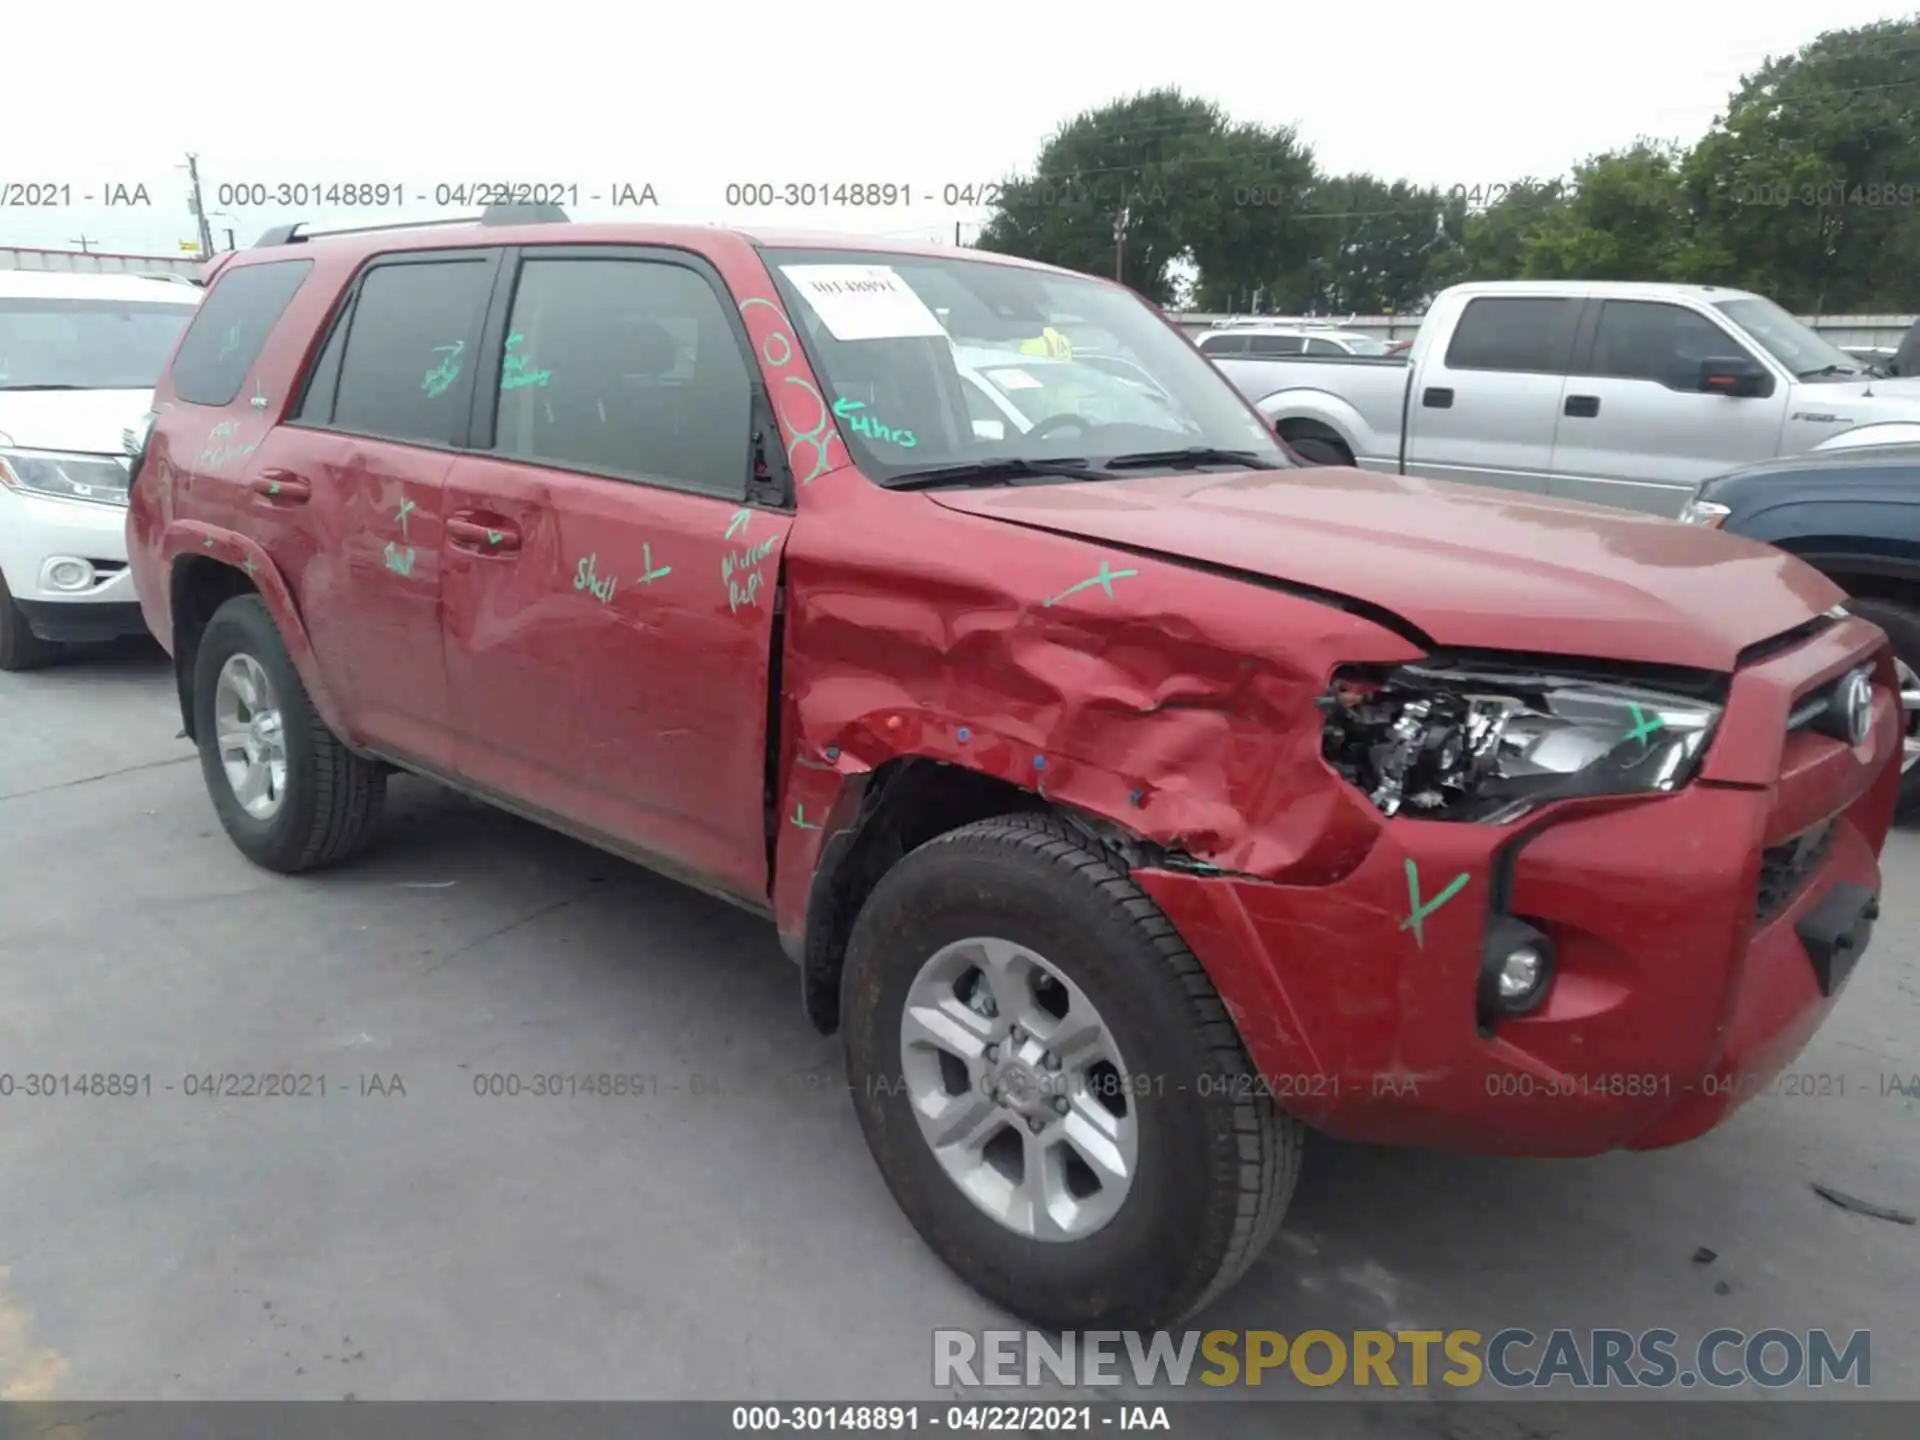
column 230, row 244
column 84, row 243
column 956, row 233
column 199, row 206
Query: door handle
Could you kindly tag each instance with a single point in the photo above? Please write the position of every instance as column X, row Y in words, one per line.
column 499, row 538
column 1437, row 397
column 1586, row 406
column 281, row 485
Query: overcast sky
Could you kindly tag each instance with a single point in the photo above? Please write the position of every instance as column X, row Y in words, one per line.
column 690, row 97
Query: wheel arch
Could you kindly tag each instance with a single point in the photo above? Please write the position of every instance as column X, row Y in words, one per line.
column 206, row 568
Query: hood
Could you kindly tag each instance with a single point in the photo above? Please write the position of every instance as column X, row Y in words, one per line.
column 86, row 421
column 1469, row 567
column 1902, row 391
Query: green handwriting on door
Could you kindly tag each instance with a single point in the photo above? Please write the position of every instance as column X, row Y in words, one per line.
column 585, row 577
column 399, row 558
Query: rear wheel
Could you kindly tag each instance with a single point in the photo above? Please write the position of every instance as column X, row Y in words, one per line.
column 1902, row 624
column 288, row 793
column 20, row 648
column 1053, row 1091
column 1317, row 450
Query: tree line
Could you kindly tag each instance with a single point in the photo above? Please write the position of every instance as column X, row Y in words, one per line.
column 1805, row 189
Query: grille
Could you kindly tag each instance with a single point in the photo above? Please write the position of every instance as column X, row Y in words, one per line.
column 1784, row 869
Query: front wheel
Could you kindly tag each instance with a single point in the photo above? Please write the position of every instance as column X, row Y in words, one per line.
column 1053, row 1091
column 1902, row 624
column 288, row 793
column 20, row 648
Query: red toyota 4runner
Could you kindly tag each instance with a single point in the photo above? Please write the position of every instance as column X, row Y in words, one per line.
column 1131, row 798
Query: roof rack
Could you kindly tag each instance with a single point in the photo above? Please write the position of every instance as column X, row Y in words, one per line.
column 299, row 234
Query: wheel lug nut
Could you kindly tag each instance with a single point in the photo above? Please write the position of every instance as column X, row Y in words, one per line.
column 1036, row 1124
column 1060, row 1104
column 1016, row 1034
column 1050, row 1061
column 993, row 1052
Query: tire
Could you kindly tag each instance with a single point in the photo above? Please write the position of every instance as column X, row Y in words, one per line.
column 1902, row 624
column 331, row 799
column 1215, row 1162
column 20, row 648
column 1316, row 451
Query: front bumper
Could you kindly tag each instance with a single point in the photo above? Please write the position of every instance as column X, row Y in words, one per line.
column 1680, row 989
column 36, row 530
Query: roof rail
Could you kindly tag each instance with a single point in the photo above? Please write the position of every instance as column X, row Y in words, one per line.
column 299, row 234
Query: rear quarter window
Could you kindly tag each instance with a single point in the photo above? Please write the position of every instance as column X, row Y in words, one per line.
column 231, row 327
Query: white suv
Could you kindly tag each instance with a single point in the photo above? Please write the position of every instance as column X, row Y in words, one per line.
column 1241, row 339
column 79, row 357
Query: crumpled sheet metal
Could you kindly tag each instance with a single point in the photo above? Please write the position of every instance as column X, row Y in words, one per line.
column 1176, row 703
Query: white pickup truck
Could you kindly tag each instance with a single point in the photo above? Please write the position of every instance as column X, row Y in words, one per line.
column 1614, row 393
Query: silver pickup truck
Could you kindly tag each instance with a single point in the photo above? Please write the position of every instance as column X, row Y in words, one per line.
column 1613, row 393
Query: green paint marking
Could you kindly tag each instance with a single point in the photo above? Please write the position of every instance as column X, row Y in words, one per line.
column 737, row 523
column 845, row 408
column 399, row 561
column 1643, row 725
column 494, row 537
column 406, row 507
column 438, row 380
column 273, row 487
column 1104, row 580
column 1420, row 912
column 646, row 558
column 799, row 818
column 209, row 542
column 250, row 567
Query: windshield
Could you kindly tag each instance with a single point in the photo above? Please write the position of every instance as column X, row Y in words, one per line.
column 87, row 344
column 933, row 362
column 1795, row 346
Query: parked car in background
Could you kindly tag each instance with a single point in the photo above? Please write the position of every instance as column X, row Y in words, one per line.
column 1854, row 515
column 1242, row 337
column 1875, row 359
column 79, row 355
column 1612, row 393
column 1128, row 797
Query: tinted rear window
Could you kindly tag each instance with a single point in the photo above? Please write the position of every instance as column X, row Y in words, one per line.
column 231, row 328
column 87, row 344
column 409, row 358
column 1528, row 334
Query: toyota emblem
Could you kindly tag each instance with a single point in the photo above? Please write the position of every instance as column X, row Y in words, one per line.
column 1856, row 703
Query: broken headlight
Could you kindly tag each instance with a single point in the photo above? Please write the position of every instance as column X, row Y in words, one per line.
column 1441, row 743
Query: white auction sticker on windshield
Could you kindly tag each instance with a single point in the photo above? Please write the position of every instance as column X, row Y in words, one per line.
column 863, row 302
column 1014, row 380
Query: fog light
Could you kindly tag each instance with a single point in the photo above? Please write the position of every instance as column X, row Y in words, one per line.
column 1521, row 973
column 65, row 572
column 1516, row 968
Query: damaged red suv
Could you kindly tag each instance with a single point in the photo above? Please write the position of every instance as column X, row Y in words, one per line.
column 1131, row 799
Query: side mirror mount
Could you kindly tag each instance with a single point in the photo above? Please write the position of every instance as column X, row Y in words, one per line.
column 1738, row 375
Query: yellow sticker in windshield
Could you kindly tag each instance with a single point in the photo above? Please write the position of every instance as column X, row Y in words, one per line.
column 1049, row 344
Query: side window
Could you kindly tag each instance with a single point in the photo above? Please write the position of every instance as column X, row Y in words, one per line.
column 323, row 382
column 1518, row 333
column 231, row 328
column 1223, row 344
column 410, row 340
column 1649, row 340
column 1317, row 346
column 1275, row 344
column 626, row 368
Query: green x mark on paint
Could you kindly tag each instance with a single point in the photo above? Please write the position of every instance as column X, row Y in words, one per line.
column 1643, row 725
column 646, row 559
column 494, row 537
column 800, row 818
column 209, row 542
column 737, row 525
column 250, row 567
column 1419, row 912
column 1104, row 580
column 273, row 487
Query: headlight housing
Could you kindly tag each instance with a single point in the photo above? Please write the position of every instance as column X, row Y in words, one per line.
column 88, row 479
column 1704, row 512
column 1485, row 745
